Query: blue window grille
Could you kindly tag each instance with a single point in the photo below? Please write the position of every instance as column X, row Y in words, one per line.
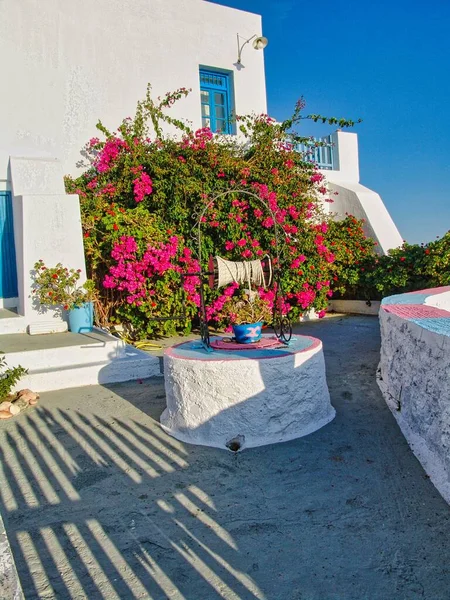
column 8, row 274
column 215, row 94
column 320, row 155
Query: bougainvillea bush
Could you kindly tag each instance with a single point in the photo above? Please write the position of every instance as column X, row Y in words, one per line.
column 143, row 191
column 408, row 268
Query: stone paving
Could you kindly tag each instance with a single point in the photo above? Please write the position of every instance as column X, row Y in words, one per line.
column 99, row 503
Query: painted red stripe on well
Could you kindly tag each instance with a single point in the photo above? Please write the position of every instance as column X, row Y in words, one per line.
column 433, row 291
column 416, row 311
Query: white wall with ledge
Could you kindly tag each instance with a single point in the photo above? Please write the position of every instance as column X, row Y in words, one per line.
column 70, row 64
column 353, row 198
column 413, row 375
column 47, row 226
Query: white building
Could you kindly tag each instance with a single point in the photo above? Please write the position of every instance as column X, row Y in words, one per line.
column 339, row 162
column 68, row 64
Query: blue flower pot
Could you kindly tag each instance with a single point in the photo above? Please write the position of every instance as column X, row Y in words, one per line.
column 247, row 334
column 81, row 319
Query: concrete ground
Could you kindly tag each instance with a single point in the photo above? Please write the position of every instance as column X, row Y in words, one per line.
column 99, row 503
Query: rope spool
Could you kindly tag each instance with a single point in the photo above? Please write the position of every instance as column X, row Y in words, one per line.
column 256, row 272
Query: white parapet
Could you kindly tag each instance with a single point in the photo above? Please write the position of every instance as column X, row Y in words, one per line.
column 345, row 156
column 355, row 307
column 413, row 375
column 254, row 397
column 350, row 197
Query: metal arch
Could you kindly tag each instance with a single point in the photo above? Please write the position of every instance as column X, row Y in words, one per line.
column 221, row 195
column 281, row 323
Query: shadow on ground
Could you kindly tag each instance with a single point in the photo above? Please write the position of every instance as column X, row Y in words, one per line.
column 99, row 503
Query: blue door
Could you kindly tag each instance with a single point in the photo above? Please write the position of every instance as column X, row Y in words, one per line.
column 8, row 273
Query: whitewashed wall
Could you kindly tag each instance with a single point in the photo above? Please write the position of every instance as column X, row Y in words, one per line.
column 355, row 199
column 67, row 64
column 413, row 376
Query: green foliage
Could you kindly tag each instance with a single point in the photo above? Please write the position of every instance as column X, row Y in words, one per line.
column 409, row 268
column 146, row 187
column 58, row 286
column 9, row 377
column 354, row 253
column 246, row 309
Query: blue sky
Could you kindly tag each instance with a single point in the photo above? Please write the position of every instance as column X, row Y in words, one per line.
column 386, row 62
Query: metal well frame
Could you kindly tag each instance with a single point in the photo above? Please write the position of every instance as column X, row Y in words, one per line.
column 281, row 323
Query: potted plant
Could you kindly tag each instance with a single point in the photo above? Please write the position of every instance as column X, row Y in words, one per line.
column 58, row 286
column 246, row 314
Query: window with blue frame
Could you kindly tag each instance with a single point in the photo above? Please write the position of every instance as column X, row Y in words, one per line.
column 215, row 94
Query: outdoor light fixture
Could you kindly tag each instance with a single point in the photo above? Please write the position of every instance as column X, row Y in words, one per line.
column 259, row 43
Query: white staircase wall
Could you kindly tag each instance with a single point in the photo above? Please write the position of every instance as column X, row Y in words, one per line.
column 363, row 203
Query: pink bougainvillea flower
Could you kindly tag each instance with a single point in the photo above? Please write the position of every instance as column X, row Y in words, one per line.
column 293, row 212
column 108, row 154
column 142, row 187
column 316, row 178
column 268, row 222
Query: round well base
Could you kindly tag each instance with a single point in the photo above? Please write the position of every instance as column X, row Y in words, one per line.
column 245, row 398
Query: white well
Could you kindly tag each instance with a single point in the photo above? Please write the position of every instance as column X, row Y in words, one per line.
column 257, row 397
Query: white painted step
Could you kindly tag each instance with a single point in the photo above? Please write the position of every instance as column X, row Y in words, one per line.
column 65, row 360
column 11, row 322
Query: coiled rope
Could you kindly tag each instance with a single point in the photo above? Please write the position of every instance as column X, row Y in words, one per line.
column 250, row 272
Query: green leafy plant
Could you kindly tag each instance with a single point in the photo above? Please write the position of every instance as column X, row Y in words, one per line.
column 246, row 308
column 362, row 275
column 58, row 286
column 9, row 376
column 258, row 195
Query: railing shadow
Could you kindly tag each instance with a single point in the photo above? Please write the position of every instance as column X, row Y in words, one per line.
column 99, row 502
column 63, row 471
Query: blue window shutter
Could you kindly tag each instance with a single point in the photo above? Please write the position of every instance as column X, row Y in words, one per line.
column 8, row 273
column 215, row 94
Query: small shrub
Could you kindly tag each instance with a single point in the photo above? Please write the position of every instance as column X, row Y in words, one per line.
column 9, row 377
column 244, row 308
column 58, row 286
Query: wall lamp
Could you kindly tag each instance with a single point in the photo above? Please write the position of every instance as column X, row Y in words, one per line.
column 259, row 43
